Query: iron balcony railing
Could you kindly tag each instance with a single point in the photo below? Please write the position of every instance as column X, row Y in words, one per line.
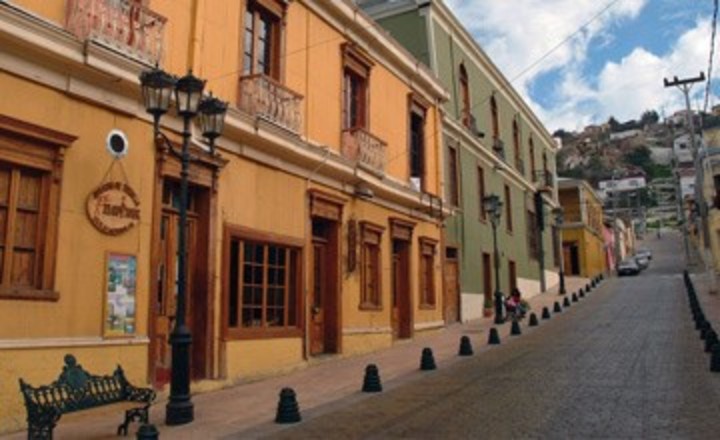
column 544, row 179
column 365, row 149
column 123, row 25
column 520, row 165
column 264, row 97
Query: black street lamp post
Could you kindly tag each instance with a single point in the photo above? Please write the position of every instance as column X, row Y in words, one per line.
column 493, row 207
column 157, row 90
column 559, row 218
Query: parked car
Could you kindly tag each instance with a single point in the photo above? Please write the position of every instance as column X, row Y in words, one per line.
column 644, row 253
column 628, row 267
column 642, row 261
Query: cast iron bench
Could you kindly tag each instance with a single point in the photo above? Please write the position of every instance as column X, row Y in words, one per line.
column 77, row 390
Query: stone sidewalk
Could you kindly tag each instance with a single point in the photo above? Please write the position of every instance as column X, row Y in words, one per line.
column 248, row 410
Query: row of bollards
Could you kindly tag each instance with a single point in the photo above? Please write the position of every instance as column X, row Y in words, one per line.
column 707, row 333
column 288, row 410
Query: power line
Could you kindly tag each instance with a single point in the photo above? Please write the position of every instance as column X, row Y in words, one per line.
column 532, row 65
column 710, row 57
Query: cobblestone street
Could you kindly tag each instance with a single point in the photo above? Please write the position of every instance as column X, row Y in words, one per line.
column 625, row 362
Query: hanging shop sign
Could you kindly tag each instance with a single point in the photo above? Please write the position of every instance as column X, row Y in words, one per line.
column 113, row 208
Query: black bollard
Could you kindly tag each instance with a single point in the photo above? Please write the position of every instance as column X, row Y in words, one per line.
column 427, row 360
column 715, row 359
column 699, row 322
column 465, row 347
column 587, row 288
column 581, row 294
column 705, row 328
column 493, row 337
column 710, row 339
column 556, row 307
column 533, row 322
column 566, row 302
column 371, row 381
column 288, row 410
column 515, row 329
column 574, row 298
column 147, row 431
column 545, row 313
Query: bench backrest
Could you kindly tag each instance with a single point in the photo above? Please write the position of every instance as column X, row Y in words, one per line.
column 75, row 389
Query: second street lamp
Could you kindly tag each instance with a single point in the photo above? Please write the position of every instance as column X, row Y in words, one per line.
column 559, row 218
column 493, row 207
column 157, row 89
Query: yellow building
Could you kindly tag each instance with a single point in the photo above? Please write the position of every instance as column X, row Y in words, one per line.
column 582, row 229
column 314, row 230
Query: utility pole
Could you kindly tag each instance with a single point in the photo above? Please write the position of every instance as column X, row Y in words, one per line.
column 685, row 85
column 616, row 235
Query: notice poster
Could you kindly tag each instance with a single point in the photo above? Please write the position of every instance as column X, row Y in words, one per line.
column 121, row 280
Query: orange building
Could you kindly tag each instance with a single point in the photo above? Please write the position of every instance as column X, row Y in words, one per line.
column 315, row 229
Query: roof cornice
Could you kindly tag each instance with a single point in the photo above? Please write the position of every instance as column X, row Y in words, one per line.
column 503, row 84
column 357, row 26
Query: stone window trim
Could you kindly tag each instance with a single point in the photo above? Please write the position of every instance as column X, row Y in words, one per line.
column 27, row 146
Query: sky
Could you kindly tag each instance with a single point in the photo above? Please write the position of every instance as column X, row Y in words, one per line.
column 578, row 62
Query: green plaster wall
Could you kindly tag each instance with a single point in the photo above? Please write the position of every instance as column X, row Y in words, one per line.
column 410, row 30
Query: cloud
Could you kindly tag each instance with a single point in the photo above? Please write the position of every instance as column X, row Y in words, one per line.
column 513, row 34
column 514, row 37
column 626, row 88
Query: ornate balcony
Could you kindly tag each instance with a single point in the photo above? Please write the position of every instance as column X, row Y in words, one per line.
column 365, row 149
column 123, row 25
column 264, row 97
column 544, row 180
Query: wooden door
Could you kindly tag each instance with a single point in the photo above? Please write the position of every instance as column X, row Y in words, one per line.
column 319, row 289
column 166, row 290
column 487, row 277
column 401, row 314
column 451, row 299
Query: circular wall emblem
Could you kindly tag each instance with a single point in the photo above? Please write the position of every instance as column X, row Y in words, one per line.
column 113, row 208
column 117, row 144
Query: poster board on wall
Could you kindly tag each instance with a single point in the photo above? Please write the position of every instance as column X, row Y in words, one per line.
column 120, row 299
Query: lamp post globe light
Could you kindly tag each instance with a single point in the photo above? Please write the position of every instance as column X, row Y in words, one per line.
column 559, row 218
column 493, row 207
column 157, row 90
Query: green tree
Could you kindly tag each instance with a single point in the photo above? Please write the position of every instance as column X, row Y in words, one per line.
column 649, row 117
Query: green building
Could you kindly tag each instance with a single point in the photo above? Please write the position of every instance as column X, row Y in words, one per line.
column 493, row 144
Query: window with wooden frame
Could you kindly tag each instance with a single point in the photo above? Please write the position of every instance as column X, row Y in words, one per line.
column 371, row 260
column 508, row 209
column 427, row 272
column 481, row 193
column 262, row 37
column 356, row 80
column 263, row 286
column 465, row 97
column 31, row 163
column 453, row 184
column 417, row 144
column 531, row 153
column 494, row 118
column 516, row 145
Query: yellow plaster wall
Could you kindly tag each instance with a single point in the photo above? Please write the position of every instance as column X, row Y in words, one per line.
column 42, row 366
column 258, row 197
column 252, row 358
column 80, row 262
column 352, row 315
column 590, row 250
column 53, row 10
column 354, row 344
